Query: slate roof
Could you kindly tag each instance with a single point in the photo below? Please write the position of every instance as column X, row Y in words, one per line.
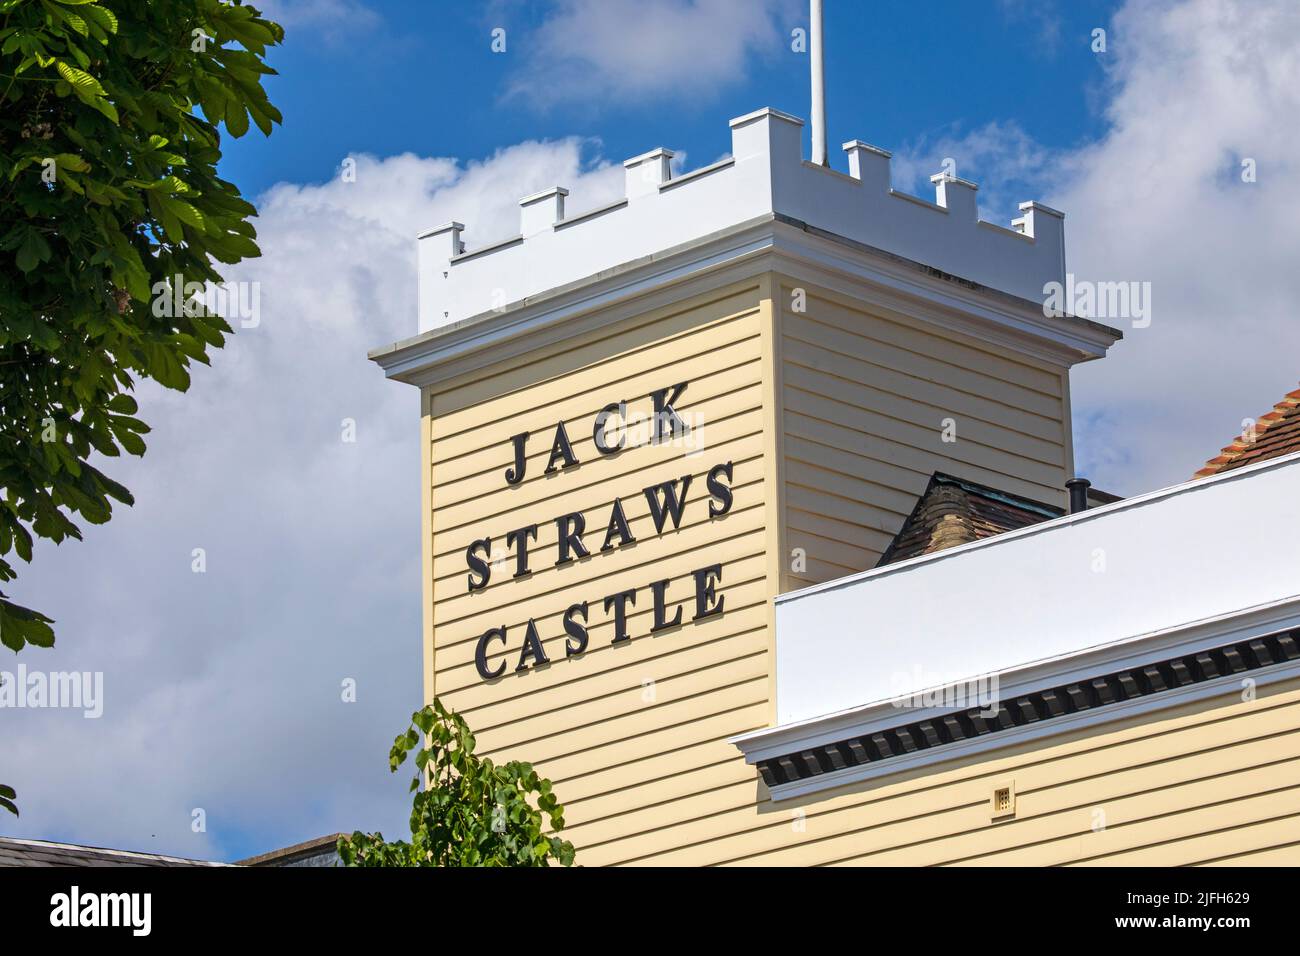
column 953, row 511
column 43, row 853
column 1276, row 434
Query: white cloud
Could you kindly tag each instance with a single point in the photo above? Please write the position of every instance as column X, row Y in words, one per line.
column 606, row 51
column 334, row 19
column 1192, row 89
column 1000, row 157
column 1196, row 87
column 223, row 689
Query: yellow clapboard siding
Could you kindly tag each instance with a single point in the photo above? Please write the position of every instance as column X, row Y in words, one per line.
column 619, row 348
column 896, row 489
column 1277, row 839
column 621, row 730
column 923, row 366
column 829, row 550
column 847, row 486
column 950, row 347
column 897, row 389
column 825, row 526
column 1054, row 837
column 928, row 441
column 593, row 820
column 705, row 720
column 713, row 804
column 621, row 776
column 1154, row 836
column 928, row 418
column 731, row 338
column 845, row 510
column 1233, row 838
column 821, row 426
column 921, row 804
column 749, row 663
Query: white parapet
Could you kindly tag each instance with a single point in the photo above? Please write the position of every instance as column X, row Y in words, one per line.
column 765, row 176
column 1189, row 563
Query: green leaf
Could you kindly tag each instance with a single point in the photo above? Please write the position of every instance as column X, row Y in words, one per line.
column 33, row 251
column 236, row 118
column 105, row 18
column 82, row 82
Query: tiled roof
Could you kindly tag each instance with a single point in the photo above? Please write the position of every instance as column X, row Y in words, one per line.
column 42, row 853
column 1276, row 434
column 953, row 512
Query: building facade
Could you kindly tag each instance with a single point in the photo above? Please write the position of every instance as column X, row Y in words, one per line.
column 667, row 443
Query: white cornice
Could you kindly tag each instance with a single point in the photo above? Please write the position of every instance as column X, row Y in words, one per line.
column 1206, row 690
column 1182, row 640
column 768, row 243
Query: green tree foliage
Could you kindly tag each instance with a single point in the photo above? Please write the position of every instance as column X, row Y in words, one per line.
column 109, row 143
column 472, row 812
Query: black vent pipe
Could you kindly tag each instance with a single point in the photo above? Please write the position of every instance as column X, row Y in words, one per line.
column 1078, row 488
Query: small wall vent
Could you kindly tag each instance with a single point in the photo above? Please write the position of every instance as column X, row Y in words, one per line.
column 1004, row 801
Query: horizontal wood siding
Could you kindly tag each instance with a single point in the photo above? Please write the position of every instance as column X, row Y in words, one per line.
column 865, row 396
column 644, row 722
column 1202, row 784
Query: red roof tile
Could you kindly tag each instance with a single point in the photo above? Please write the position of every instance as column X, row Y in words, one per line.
column 1276, row 434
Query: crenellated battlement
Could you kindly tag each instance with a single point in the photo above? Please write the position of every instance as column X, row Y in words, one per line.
column 765, row 175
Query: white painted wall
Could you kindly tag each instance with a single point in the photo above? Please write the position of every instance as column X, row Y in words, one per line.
column 767, row 175
column 1207, row 549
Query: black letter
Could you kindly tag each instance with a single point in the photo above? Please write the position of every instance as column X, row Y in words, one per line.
column 532, row 648
column 516, row 474
column 719, row 490
column 617, row 525
column 704, row 592
column 619, row 602
column 665, row 415
column 670, row 505
column 598, row 432
column 577, row 632
column 561, row 449
column 477, row 565
column 661, row 621
column 571, row 540
column 480, row 653
column 521, row 552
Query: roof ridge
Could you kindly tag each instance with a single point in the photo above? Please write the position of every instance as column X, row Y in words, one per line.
column 137, row 854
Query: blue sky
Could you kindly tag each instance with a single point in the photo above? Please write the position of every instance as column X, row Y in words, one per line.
column 422, row 77
column 223, row 687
